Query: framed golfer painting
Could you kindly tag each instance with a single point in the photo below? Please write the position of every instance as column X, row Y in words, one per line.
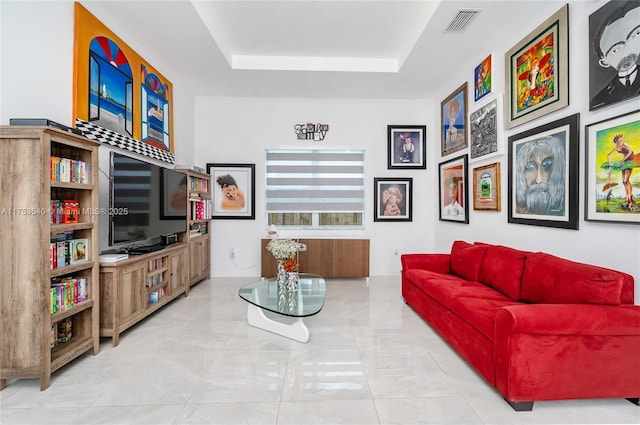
column 486, row 187
column 613, row 169
column 543, row 175
column 537, row 71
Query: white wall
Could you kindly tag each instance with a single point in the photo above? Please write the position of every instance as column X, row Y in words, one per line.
column 238, row 130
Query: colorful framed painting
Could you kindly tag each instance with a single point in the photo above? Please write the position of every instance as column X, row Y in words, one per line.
column 613, row 169
column 406, row 147
column 234, row 190
column 485, row 133
column 452, row 178
column 613, row 59
column 453, row 121
column 537, row 71
column 543, row 175
column 482, row 79
column 392, row 199
column 486, row 187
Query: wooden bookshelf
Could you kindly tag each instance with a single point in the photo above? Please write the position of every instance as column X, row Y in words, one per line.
column 27, row 188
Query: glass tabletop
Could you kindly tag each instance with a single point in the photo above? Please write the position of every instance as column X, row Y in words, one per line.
column 306, row 301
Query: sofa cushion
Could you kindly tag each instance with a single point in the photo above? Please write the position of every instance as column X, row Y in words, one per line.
column 553, row 280
column 466, row 259
column 480, row 313
column 502, row 269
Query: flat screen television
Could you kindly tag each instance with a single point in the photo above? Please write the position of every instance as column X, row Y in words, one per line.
column 146, row 201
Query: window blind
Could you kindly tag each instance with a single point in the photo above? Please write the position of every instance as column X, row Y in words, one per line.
column 314, row 180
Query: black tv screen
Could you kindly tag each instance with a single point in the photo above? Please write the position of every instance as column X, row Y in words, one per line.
column 146, row 200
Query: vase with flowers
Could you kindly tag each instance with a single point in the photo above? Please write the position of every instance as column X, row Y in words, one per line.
column 285, row 251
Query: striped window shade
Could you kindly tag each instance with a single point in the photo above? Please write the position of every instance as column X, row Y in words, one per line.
column 314, row 180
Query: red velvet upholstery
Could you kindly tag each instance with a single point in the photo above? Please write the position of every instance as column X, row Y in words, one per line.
column 466, row 259
column 535, row 326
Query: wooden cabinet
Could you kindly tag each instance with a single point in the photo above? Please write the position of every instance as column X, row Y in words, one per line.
column 31, row 313
column 328, row 258
column 132, row 289
column 199, row 217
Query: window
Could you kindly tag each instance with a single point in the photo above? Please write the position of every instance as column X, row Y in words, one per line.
column 315, row 188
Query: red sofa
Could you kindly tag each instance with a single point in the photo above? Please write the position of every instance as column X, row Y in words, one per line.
column 535, row 326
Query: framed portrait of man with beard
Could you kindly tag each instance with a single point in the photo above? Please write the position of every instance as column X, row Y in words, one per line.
column 614, row 54
column 543, row 175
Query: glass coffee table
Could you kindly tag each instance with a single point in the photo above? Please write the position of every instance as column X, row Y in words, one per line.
column 265, row 295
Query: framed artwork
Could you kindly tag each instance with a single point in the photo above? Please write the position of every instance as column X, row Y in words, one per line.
column 174, row 203
column 392, row 199
column 453, row 121
column 454, row 205
column 543, row 175
column 537, row 71
column 613, row 169
column 482, row 79
column 484, row 131
column 234, row 190
column 486, row 187
column 613, row 53
column 406, row 146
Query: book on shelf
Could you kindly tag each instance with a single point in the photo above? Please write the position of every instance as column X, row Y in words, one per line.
column 65, row 330
column 68, row 170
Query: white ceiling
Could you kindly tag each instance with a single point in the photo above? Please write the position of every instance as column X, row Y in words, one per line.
column 307, row 48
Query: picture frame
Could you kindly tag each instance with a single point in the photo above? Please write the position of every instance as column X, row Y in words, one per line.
column 485, row 130
column 406, row 147
column 173, row 204
column 392, row 198
column 537, row 71
column 543, row 175
column 453, row 194
column 486, row 187
column 230, row 203
column 482, row 78
column 453, row 121
column 608, row 184
column 608, row 69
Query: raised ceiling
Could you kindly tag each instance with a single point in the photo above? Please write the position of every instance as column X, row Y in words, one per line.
column 344, row 49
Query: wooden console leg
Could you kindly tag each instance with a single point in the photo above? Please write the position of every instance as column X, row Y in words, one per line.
column 634, row 400
column 3, row 384
column 520, row 406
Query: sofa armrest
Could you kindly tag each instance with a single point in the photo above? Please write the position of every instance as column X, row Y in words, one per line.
column 567, row 351
column 439, row 263
column 569, row 319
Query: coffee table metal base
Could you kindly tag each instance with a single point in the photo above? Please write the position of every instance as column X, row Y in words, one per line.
column 297, row 330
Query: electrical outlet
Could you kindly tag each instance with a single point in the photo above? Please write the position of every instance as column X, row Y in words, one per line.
column 395, row 251
column 232, row 253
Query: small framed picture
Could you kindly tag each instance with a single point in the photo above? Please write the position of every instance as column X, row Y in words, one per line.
column 392, row 199
column 453, row 120
column 537, row 71
column 406, row 147
column 543, row 175
column 454, row 205
column 486, row 187
column 482, row 79
column 613, row 163
column 233, row 190
column 485, row 130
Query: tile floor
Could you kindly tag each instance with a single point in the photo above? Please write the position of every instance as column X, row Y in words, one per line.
column 370, row 360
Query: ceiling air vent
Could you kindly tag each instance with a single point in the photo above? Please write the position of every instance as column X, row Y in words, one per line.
column 462, row 20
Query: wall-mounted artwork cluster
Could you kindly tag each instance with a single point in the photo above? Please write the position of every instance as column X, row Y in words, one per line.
column 543, row 161
column 119, row 98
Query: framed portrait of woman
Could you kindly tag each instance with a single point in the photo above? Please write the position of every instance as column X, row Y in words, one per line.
column 233, row 193
column 392, row 199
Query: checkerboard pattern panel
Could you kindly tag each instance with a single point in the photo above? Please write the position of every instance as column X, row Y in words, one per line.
column 103, row 135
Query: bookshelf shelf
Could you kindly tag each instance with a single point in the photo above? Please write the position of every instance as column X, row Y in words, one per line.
column 30, row 160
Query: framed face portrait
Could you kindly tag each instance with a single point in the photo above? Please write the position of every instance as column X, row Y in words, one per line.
column 482, row 79
column 485, row 125
column 453, row 121
column 537, row 71
column 543, row 175
column 614, row 48
column 392, row 199
column 406, row 147
column 454, row 205
column 486, row 187
column 613, row 166
column 233, row 193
